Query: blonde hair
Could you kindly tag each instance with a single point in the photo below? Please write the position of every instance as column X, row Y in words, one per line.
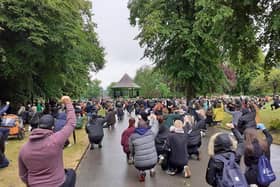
column 178, row 124
column 211, row 144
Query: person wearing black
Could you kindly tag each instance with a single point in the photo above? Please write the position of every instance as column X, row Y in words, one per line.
column 3, row 160
column 177, row 144
column 248, row 118
column 224, row 145
column 95, row 131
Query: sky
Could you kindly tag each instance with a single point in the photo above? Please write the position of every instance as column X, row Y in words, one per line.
column 123, row 54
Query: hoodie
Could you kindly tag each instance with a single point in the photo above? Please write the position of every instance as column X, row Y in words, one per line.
column 41, row 158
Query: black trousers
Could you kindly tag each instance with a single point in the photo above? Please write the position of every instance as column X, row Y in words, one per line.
column 70, row 179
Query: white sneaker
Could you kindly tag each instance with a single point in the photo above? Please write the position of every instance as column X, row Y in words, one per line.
column 152, row 172
column 187, row 171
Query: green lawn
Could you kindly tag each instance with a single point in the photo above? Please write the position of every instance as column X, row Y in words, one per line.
column 72, row 155
column 266, row 116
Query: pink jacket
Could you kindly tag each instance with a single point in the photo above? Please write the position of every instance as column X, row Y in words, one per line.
column 41, row 158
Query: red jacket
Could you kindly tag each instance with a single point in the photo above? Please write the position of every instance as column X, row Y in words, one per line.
column 125, row 138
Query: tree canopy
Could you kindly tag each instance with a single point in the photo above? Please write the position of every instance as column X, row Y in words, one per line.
column 47, row 48
column 190, row 39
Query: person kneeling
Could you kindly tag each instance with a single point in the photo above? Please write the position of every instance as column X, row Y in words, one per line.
column 95, row 131
column 142, row 147
column 177, row 144
column 41, row 158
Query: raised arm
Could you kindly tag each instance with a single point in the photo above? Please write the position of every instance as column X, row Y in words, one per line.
column 61, row 136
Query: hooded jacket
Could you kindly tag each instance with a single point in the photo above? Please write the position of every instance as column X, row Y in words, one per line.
column 41, row 158
column 222, row 147
column 142, row 145
column 125, row 138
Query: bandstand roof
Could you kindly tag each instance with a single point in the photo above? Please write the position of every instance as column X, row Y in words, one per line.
column 126, row 82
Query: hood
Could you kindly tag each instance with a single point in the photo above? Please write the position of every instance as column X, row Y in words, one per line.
column 61, row 116
column 38, row 134
column 141, row 130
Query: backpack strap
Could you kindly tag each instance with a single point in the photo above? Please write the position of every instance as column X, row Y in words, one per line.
column 224, row 160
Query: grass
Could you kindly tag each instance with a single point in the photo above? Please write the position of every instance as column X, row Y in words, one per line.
column 266, row 116
column 71, row 156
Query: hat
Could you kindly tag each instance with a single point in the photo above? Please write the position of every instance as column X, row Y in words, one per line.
column 46, row 122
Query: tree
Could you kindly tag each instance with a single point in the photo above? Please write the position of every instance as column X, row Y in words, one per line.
column 47, row 48
column 93, row 89
column 110, row 90
column 271, row 84
column 189, row 40
column 153, row 83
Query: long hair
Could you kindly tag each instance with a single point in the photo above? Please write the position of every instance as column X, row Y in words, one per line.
column 251, row 135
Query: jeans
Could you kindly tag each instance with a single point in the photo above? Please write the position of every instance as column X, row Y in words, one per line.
column 5, row 162
column 5, row 132
column 70, row 178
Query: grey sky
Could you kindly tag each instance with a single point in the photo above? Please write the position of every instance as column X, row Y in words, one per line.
column 117, row 36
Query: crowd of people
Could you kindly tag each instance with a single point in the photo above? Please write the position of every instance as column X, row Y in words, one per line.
column 167, row 132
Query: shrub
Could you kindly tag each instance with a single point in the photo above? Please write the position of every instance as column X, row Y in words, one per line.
column 275, row 124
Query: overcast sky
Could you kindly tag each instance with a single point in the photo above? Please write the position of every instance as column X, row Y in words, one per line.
column 123, row 53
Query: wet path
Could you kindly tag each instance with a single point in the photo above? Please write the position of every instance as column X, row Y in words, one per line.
column 107, row 167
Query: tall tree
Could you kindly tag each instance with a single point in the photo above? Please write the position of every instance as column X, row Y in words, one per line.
column 189, row 39
column 47, row 48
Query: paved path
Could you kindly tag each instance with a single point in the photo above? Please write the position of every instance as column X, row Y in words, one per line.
column 107, row 167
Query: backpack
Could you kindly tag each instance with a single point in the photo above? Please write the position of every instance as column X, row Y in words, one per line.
column 265, row 172
column 232, row 175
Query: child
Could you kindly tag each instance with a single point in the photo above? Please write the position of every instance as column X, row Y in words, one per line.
column 125, row 139
column 95, row 131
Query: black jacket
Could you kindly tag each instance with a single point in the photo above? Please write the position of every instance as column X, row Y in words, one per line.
column 215, row 167
column 161, row 139
column 177, row 143
column 247, row 120
column 193, row 133
column 251, row 161
column 2, row 147
column 95, row 128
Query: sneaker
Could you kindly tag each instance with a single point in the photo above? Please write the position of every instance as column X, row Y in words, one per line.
column 69, row 145
column 99, row 146
column 142, row 176
column 187, row 171
column 152, row 172
column 171, row 172
column 161, row 159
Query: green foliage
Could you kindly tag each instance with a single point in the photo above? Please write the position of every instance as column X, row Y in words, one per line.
column 275, row 124
column 153, row 83
column 268, row 85
column 47, row 48
column 188, row 40
column 93, row 89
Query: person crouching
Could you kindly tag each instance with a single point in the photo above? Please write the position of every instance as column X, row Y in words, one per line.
column 142, row 147
column 95, row 131
column 125, row 139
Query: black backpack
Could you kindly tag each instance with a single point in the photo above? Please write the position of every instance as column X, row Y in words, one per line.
column 232, row 175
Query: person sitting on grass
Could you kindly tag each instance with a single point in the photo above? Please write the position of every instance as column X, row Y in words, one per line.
column 3, row 160
column 41, row 158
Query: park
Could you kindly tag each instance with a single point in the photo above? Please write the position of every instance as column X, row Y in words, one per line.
column 118, row 60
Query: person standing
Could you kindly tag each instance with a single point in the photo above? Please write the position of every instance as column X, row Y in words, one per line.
column 41, row 158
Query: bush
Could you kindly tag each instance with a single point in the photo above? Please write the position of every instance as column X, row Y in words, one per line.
column 275, row 124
